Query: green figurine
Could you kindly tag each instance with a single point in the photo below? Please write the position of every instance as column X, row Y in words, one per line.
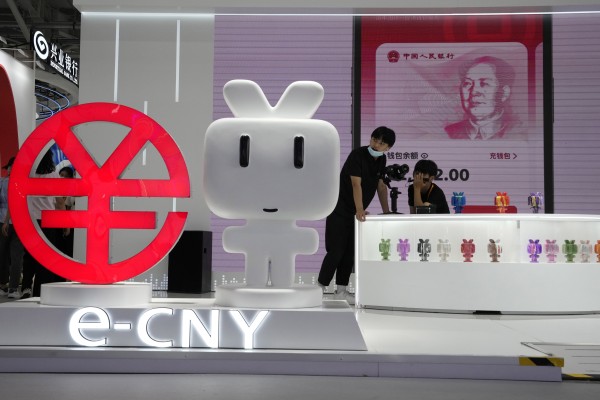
column 569, row 248
column 384, row 249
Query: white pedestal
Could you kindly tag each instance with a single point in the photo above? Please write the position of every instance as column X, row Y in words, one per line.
column 78, row 294
column 297, row 296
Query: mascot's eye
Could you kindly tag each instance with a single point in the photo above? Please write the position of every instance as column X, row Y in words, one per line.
column 298, row 152
column 244, row 151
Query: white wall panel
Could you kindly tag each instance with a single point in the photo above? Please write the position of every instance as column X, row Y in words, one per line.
column 576, row 63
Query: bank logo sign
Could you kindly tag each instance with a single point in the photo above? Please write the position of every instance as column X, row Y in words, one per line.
column 53, row 55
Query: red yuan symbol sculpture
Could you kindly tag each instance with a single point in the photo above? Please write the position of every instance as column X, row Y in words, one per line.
column 99, row 185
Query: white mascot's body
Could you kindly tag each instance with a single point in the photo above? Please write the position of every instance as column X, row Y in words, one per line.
column 271, row 166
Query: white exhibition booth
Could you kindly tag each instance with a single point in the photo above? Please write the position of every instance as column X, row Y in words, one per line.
column 158, row 59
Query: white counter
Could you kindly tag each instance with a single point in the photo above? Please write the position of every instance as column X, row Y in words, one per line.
column 514, row 284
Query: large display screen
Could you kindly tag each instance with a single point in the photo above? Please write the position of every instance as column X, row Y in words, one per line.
column 463, row 91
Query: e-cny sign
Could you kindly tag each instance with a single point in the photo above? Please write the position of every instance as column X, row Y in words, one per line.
column 99, row 184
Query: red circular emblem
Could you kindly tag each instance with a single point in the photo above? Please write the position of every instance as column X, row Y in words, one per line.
column 99, row 184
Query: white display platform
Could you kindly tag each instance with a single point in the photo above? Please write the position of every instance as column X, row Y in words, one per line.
column 177, row 335
column 192, row 335
column 80, row 317
column 297, row 296
column 514, row 285
column 441, row 350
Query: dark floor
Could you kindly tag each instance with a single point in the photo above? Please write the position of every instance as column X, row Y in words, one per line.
column 250, row 387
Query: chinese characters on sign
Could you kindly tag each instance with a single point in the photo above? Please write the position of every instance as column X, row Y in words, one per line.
column 503, row 156
column 414, row 155
column 395, row 56
column 391, row 155
column 54, row 56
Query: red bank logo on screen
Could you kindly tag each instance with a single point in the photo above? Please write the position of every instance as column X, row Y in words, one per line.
column 99, row 184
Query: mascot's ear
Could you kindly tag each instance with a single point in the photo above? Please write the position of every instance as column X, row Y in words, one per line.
column 300, row 100
column 246, row 99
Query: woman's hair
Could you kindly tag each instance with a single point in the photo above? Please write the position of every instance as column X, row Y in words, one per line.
column 46, row 165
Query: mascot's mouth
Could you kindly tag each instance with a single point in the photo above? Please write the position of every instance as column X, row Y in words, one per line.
column 270, row 210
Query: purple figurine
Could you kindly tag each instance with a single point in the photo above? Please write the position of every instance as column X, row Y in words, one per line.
column 534, row 248
column 403, row 249
column 535, row 201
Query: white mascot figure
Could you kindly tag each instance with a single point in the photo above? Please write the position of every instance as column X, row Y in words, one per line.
column 271, row 166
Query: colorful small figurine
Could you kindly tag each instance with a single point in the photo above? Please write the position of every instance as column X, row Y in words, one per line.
column 458, row 201
column 551, row 249
column 502, row 200
column 597, row 250
column 494, row 249
column 424, row 248
column 467, row 249
column 569, row 249
column 585, row 250
column 534, row 248
column 403, row 249
column 384, row 249
column 535, row 201
column 443, row 248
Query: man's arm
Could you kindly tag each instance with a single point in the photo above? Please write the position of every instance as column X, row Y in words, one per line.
column 382, row 193
column 357, row 196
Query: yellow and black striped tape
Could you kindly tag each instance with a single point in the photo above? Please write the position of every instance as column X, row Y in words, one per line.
column 580, row 377
column 555, row 362
column 541, row 362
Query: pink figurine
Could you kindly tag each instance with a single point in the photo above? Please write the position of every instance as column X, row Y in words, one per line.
column 552, row 250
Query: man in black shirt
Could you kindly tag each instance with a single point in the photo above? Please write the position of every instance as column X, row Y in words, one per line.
column 423, row 192
column 360, row 178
